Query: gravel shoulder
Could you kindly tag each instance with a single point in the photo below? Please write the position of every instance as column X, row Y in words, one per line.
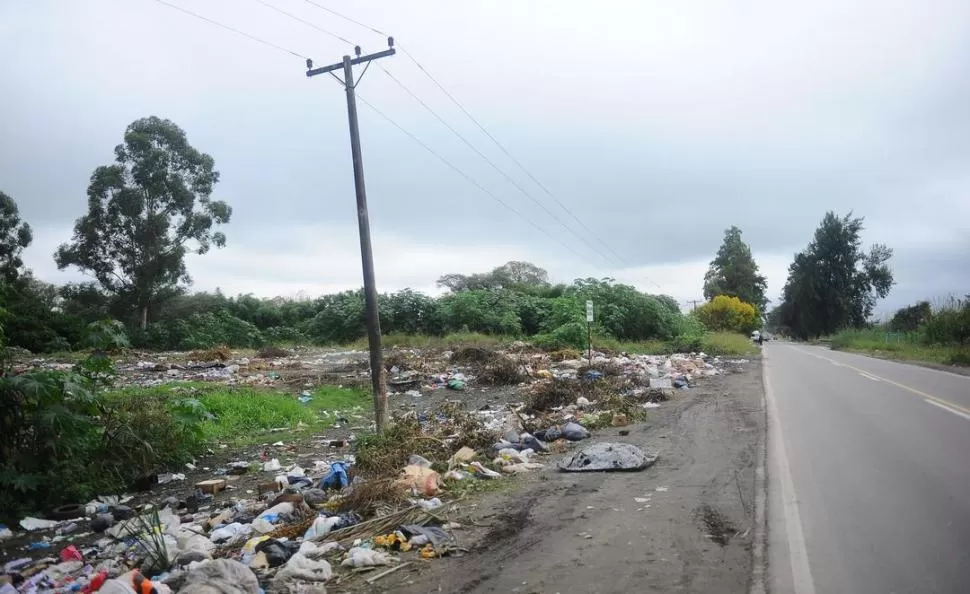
column 683, row 525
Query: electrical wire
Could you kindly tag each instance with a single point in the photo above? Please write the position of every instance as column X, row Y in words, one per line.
column 305, row 22
column 347, row 18
column 483, row 130
column 440, row 119
column 470, row 179
column 371, row 106
column 232, row 29
column 491, row 163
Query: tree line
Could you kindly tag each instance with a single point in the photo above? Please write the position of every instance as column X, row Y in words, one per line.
column 153, row 205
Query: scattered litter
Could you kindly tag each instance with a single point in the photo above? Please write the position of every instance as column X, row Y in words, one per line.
column 336, row 478
column 272, row 466
column 31, row 524
column 574, row 431
column 480, row 471
column 168, row 477
column 422, row 480
column 361, row 557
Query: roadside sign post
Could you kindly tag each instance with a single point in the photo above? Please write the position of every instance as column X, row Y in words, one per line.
column 589, row 329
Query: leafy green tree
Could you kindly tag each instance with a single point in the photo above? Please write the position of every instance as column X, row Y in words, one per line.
column 909, row 319
column 145, row 213
column 507, row 276
column 834, row 284
column 15, row 235
column 734, row 273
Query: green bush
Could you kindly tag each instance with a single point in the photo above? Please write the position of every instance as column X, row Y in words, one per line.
column 568, row 336
column 64, row 439
column 489, row 311
column 203, row 331
column 285, row 335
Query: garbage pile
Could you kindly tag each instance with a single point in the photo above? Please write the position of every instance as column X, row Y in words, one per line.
column 372, row 512
column 299, row 532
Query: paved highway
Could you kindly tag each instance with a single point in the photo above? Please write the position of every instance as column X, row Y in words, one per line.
column 868, row 474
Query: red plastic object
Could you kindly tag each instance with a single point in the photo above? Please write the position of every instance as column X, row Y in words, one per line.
column 71, row 554
column 96, row 582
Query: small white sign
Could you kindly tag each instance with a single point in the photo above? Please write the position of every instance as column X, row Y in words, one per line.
column 589, row 311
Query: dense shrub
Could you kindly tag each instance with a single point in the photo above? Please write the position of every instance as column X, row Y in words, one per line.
column 63, row 439
column 489, row 311
column 949, row 324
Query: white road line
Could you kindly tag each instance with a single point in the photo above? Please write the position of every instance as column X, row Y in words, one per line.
column 947, row 408
column 801, row 571
column 869, row 377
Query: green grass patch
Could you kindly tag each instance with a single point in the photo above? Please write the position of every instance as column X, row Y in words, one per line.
column 898, row 346
column 727, row 344
column 721, row 344
column 243, row 414
column 472, row 488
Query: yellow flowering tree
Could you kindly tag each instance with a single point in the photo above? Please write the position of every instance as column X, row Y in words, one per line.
column 723, row 313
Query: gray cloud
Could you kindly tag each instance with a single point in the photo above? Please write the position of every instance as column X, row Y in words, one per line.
column 658, row 125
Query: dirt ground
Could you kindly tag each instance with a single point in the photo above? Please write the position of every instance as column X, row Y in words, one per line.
column 683, row 525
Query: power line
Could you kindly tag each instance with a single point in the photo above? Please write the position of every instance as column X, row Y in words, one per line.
column 507, row 153
column 490, row 162
column 440, row 119
column 347, row 18
column 305, row 22
column 232, row 29
column 470, row 179
column 483, row 130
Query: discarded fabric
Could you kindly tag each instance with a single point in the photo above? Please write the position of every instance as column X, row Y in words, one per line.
column 606, row 457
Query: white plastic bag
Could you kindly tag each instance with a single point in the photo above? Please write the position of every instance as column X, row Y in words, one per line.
column 360, row 557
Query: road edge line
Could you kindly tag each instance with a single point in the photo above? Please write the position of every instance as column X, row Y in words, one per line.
column 759, row 566
column 802, row 582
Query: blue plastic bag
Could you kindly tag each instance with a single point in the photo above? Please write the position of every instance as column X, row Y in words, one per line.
column 336, row 478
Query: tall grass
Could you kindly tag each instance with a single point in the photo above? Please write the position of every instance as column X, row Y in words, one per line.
column 727, row 344
column 721, row 344
column 905, row 346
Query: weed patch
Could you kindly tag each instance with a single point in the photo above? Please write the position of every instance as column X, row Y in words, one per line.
column 219, row 353
column 502, row 371
column 727, row 344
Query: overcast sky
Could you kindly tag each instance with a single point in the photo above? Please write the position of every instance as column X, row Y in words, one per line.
column 659, row 124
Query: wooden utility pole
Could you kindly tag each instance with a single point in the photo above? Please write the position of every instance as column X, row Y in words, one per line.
column 366, row 254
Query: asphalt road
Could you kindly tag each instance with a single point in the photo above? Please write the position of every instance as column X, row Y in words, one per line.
column 868, row 474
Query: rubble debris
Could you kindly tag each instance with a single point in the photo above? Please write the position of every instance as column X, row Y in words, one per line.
column 607, row 457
